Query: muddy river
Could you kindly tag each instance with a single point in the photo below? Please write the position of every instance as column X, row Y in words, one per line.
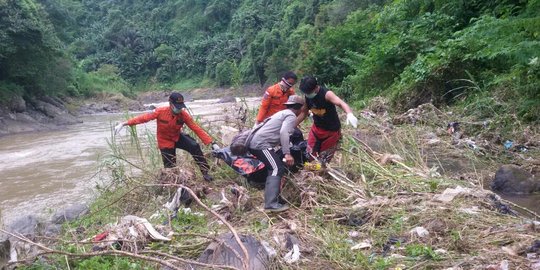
column 44, row 170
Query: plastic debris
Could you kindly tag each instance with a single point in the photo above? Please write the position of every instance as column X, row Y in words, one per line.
column 471, row 144
column 363, row 245
column 471, row 211
column 293, row 255
column 452, row 127
column 508, row 144
column 420, row 231
column 137, row 231
column 501, row 266
column 312, row 166
column 450, row 193
column 269, row 249
column 354, row 234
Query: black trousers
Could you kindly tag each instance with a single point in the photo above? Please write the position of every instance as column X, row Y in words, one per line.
column 271, row 160
column 187, row 143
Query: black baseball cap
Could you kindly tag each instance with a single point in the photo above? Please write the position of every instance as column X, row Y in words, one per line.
column 177, row 100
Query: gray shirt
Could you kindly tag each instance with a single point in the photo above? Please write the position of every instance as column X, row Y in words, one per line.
column 275, row 131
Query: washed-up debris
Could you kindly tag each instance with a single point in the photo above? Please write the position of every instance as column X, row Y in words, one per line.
column 440, row 251
column 420, row 232
column 389, row 158
column 367, row 114
column 180, row 197
column 354, row 234
column 471, row 210
column 226, row 251
column 450, row 193
column 293, row 255
column 508, row 144
column 503, row 265
column 452, row 127
column 236, row 199
column 175, row 176
column 424, row 114
column 356, row 218
column 362, row 245
column 500, row 206
column 129, row 234
column 534, row 248
column 389, row 245
column 272, row 253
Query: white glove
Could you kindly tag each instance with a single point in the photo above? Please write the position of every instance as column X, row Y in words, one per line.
column 215, row 146
column 118, row 127
column 351, row 120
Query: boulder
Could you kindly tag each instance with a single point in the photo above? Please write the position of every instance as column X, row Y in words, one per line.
column 5, row 250
column 17, row 104
column 224, row 252
column 69, row 213
column 511, row 179
column 227, row 99
column 25, row 225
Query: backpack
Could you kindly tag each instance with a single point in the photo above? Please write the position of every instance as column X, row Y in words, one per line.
column 240, row 142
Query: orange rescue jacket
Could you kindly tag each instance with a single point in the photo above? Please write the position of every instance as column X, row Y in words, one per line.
column 272, row 101
column 170, row 125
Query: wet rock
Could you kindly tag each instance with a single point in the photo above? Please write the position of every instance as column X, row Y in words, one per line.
column 17, row 104
column 69, row 213
column 52, row 230
column 227, row 99
column 5, row 248
column 511, row 179
column 26, row 225
column 224, row 252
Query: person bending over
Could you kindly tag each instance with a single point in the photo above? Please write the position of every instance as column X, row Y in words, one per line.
column 170, row 121
column 276, row 131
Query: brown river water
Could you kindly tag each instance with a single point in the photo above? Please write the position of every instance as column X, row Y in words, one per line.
column 41, row 171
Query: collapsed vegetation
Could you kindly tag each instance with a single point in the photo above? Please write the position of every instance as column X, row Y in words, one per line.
column 381, row 204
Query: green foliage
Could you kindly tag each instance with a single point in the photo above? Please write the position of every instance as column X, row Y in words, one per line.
column 104, row 80
column 108, row 262
column 418, row 250
column 415, row 51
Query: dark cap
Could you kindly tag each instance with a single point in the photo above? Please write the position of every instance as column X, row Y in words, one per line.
column 177, row 100
column 308, row 84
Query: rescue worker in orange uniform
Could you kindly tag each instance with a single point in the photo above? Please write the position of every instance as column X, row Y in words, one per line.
column 275, row 96
column 170, row 121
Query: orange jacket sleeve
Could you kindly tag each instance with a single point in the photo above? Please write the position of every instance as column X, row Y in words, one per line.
column 265, row 104
column 143, row 118
column 205, row 138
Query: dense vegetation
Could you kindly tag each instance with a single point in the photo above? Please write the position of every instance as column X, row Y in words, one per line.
column 483, row 54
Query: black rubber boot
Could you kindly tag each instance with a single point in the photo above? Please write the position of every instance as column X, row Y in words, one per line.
column 271, row 195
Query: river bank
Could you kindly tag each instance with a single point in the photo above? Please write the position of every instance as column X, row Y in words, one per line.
column 21, row 115
column 398, row 177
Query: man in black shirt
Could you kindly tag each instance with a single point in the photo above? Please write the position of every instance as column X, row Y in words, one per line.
column 326, row 129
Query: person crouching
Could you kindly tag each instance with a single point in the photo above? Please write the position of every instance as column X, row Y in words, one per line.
column 276, row 131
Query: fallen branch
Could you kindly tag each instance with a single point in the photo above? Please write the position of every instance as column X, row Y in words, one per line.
column 245, row 260
column 91, row 254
